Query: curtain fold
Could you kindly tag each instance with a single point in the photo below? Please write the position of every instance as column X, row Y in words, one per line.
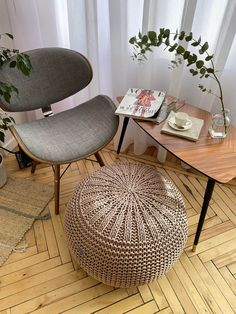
column 100, row 29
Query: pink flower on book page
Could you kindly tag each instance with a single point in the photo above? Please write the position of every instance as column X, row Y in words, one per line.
column 143, row 101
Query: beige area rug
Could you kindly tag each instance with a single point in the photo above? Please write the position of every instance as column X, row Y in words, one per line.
column 21, row 202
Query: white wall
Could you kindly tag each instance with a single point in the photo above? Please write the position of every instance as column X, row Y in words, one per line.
column 5, row 27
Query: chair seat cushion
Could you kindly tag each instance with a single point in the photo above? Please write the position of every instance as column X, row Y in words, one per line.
column 72, row 134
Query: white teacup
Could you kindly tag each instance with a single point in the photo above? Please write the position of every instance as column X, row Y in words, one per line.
column 182, row 119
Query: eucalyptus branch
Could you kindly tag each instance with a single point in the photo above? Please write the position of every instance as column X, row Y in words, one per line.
column 209, row 91
column 198, row 62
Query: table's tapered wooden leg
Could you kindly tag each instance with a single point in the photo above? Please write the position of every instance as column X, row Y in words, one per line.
column 207, row 198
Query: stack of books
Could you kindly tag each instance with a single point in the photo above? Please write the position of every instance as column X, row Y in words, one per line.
column 191, row 133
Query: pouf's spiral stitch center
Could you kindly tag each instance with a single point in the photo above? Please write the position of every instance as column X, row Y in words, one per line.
column 124, row 199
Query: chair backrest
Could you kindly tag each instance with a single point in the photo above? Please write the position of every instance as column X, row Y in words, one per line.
column 57, row 73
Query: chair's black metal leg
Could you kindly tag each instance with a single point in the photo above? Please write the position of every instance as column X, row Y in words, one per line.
column 124, row 127
column 207, row 198
column 99, row 159
column 57, row 188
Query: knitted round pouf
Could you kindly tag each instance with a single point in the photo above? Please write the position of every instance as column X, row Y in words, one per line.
column 126, row 224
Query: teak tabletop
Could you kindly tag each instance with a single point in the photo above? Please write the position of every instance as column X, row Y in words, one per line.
column 215, row 158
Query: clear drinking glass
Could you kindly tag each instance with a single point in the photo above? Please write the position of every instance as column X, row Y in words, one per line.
column 220, row 126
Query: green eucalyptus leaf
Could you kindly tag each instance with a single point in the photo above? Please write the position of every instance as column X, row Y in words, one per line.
column 202, row 72
column 189, row 37
column 208, row 58
column 180, row 50
column 195, row 44
column 152, row 35
column 162, row 30
column 190, row 60
column 210, row 70
column 166, row 33
column 167, row 42
column 186, row 54
column 193, row 72
column 159, row 38
column 194, row 57
column 199, row 64
column 172, row 48
column 132, row 40
column 181, row 36
column 144, row 39
column 205, row 46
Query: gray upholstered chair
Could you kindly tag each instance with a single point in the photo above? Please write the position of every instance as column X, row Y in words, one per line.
column 70, row 135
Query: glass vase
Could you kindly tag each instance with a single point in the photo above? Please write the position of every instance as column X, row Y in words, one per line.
column 220, row 124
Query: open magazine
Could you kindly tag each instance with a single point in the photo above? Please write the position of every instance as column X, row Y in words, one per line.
column 141, row 104
column 156, row 110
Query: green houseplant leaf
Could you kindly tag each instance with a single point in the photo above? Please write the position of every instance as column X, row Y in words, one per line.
column 18, row 60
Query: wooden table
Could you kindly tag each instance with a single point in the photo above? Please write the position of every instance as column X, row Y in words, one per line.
column 215, row 158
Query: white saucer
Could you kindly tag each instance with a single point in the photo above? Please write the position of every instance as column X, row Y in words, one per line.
column 172, row 124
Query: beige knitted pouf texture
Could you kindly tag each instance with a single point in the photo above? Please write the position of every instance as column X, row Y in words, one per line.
column 126, row 224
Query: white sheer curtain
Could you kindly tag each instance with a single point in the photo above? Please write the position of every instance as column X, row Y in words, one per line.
column 100, row 29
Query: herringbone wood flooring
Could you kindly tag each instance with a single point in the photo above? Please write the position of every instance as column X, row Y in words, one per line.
column 44, row 280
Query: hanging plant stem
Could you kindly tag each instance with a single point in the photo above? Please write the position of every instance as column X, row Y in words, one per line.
column 200, row 63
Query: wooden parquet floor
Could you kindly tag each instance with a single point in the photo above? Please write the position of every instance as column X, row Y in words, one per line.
column 43, row 279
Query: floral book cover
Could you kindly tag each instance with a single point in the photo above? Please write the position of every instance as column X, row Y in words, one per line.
column 141, row 103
